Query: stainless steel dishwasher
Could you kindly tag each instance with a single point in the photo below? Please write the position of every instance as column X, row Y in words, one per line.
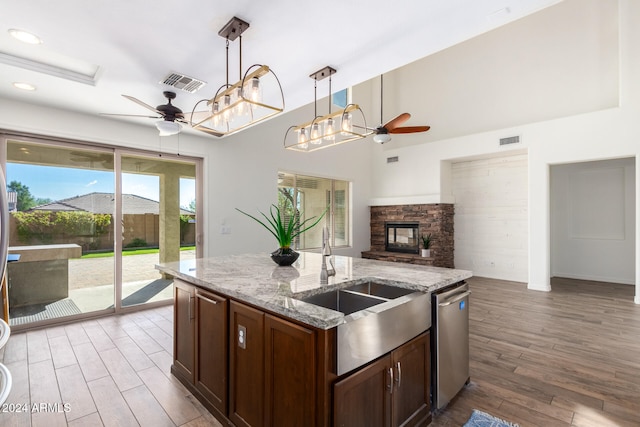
column 450, row 342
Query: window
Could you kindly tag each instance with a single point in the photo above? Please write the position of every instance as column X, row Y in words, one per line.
column 311, row 196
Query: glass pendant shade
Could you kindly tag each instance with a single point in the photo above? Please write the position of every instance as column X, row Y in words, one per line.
column 329, row 130
column 255, row 92
column 316, row 134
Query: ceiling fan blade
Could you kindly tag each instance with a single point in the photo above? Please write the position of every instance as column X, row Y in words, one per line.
column 410, row 129
column 145, row 105
column 131, row 115
column 393, row 123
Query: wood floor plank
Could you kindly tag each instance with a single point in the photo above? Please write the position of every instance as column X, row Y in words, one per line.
column 121, row 372
column 61, row 351
column 161, row 337
column 134, row 355
column 146, row 408
column 91, row 420
column 19, row 396
column 46, row 402
column 112, row 407
column 37, row 346
column 76, row 334
column 75, row 392
column 98, row 336
column 172, row 399
column 143, row 340
column 90, row 362
column 15, row 349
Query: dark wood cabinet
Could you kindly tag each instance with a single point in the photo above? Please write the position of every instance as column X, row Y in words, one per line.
column 412, row 377
column 272, row 370
column 211, row 348
column 289, row 374
column 246, row 365
column 184, row 330
column 392, row 391
column 363, row 398
column 252, row 368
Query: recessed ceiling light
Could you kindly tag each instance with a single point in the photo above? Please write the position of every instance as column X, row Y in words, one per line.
column 24, row 86
column 25, row 36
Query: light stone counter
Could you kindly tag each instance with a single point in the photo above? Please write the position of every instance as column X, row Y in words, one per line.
column 257, row 280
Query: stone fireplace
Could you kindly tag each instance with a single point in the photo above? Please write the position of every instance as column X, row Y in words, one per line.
column 434, row 218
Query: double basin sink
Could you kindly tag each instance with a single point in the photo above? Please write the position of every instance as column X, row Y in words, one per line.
column 378, row 318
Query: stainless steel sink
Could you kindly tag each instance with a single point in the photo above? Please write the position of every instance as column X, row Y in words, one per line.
column 378, row 318
column 380, row 290
column 344, row 301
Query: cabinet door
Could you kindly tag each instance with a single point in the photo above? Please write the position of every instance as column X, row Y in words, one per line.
column 411, row 363
column 246, row 365
column 184, row 330
column 364, row 397
column 290, row 386
column 211, row 348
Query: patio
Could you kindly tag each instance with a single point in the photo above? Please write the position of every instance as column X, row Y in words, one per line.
column 91, row 287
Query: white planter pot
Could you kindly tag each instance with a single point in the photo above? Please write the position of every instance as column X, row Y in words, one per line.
column 426, row 253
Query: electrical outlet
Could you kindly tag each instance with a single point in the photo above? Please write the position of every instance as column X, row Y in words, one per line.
column 242, row 337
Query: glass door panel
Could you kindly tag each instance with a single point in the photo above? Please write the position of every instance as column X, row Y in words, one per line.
column 61, row 227
column 158, row 211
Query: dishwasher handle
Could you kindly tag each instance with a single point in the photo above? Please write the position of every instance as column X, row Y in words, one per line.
column 455, row 299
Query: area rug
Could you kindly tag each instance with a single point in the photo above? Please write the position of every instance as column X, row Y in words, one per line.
column 482, row 419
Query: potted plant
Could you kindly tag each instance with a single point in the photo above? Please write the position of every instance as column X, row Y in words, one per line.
column 426, row 245
column 284, row 232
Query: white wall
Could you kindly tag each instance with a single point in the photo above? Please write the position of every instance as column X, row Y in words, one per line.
column 424, row 167
column 491, row 216
column 593, row 220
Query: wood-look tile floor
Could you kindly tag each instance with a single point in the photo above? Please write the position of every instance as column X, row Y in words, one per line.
column 112, row 371
column 570, row 357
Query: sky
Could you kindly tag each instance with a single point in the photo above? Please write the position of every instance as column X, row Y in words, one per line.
column 58, row 183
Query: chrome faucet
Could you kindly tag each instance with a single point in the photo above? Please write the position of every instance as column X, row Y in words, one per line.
column 326, row 253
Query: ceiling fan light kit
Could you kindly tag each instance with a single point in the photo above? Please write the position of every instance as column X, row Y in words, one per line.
column 334, row 128
column 255, row 97
column 382, row 138
column 167, row 128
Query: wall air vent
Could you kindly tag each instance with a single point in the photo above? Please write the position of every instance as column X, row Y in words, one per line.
column 182, row 82
column 510, row 140
column 393, row 159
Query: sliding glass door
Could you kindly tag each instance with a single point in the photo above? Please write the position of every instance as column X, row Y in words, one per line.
column 88, row 225
column 61, row 236
column 159, row 224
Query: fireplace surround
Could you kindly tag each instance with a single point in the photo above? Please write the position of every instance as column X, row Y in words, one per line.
column 434, row 218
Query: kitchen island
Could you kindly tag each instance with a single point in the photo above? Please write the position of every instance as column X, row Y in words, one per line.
column 255, row 351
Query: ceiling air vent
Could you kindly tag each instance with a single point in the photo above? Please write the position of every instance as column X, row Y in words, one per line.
column 510, row 140
column 392, row 159
column 182, row 82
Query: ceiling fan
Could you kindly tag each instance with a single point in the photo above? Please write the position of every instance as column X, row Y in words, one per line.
column 382, row 132
column 172, row 116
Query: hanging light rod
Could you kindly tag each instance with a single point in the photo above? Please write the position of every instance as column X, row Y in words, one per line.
column 256, row 96
column 329, row 130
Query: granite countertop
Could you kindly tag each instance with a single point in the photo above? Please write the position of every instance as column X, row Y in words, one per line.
column 257, row 280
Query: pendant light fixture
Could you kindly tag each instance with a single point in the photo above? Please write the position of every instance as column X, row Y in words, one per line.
column 329, row 130
column 256, row 96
